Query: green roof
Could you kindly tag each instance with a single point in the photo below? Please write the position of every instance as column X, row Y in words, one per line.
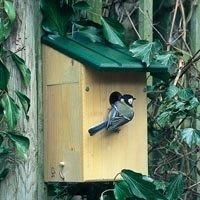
column 99, row 56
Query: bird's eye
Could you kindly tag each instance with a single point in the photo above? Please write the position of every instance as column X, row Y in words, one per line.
column 130, row 101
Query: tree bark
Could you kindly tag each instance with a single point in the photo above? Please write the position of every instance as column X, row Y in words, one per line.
column 195, row 45
column 25, row 182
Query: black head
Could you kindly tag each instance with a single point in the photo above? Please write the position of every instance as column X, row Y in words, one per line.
column 128, row 99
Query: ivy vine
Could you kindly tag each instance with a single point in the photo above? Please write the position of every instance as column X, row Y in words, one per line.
column 13, row 145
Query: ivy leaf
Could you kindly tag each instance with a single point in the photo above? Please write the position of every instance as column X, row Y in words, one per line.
column 185, row 94
column 23, row 68
column 164, row 118
column 22, row 144
column 4, row 76
column 11, row 111
column 4, row 173
column 175, row 188
column 81, row 5
column 160, row 184
column 113, row 31
column 121, row 190
column 10, row 10
column 191, row 136
column 194, row 103
column 172, row 91
column 139, row 187
column 25, row 102
column 145, row 51
column 56, row 18
column 180, row 106
column 4, row 152
column 167, row 58
column 5, row 29
column 2, row 31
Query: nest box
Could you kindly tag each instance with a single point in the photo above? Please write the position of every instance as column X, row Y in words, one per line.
column 79, row 76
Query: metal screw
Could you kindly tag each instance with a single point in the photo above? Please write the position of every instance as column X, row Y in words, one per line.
column 61, row 164
column 53, row 172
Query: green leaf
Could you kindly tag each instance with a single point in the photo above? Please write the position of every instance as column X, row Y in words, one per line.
column 2, row 31
column 10, row 10
column 139, row 187
column 121, row 190
column 25, row 102
column 175, row 188
column 4, row 173
column 191, row 136
column 167, row 58
column 194, row 102
column 56, row 18
column 23, row 68
column 180, row 106
column 172, row 91
column 81, row 5
column 11, row 111
column 113, row 31
column 5, row 29
column 22, row 144
column 4, row 76
column 185, row 94
column 160, row 184
column 175, row 145
column 145, row 51
column 4, row 153
column 164, row 118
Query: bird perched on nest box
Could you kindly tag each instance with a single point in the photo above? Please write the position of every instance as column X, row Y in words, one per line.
column 121, row 112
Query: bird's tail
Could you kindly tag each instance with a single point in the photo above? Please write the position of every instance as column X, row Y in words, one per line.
column 93, row 130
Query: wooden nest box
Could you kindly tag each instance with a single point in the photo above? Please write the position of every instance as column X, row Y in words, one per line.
column 79, row 76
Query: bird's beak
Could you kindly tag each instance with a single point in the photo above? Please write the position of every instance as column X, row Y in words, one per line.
column 134, row 98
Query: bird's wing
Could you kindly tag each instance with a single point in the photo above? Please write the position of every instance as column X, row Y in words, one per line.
column 112, row 115
column 116, row 122
column 116, row 119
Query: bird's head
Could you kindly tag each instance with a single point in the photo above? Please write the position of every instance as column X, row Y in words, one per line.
column 128, row 99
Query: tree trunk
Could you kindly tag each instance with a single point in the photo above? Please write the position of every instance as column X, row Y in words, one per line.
column 195, row 45
column 25, row 182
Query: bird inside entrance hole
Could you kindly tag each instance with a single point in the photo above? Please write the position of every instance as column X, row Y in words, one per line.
column 120, row 113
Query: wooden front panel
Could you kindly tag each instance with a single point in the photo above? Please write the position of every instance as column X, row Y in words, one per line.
column 62, row 118
column 107, row 154
column 63, row 133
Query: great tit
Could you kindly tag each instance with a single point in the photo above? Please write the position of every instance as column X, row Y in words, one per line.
column 121, row 112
